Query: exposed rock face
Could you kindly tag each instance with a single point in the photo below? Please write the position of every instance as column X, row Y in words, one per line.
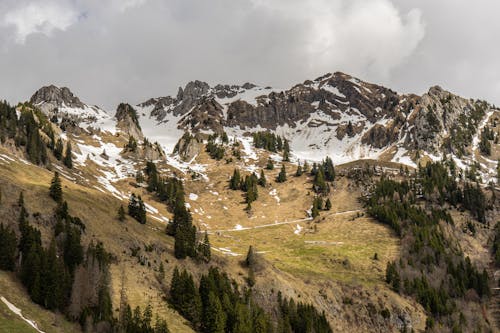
column 330, row 109
column 127, row 121
column 52, row 95
column 188, row 147
column 62, row 104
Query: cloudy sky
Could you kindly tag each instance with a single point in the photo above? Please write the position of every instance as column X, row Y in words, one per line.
column 109, row 51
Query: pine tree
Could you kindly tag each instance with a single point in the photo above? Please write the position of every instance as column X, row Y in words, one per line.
column 270, row 164
column 234, row 182
column 121, row 213
column 314, row 211
column 328, row 204
column 214, row 320
column 8, row 244
column 20, row 201
column 286, row 151
column 68, row 158
column 282, row 175
column 161, row 272
column 55, row 190
column 58, row 149
column 299, row 171
column 204, row 249
column 262, row 179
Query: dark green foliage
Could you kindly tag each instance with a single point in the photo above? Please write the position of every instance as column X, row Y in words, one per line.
column 58, row 149
column 204, row 249
column 465, row 128
column 496, row 245
column 121, row 213
column 29, row 136
column 349, row 129
column 141, row 321
column 215, row 150
column 234, row 182
column 286, row 151
column 8, row 245
column 328, row 204
column 270, row 164
column 270, row 142
column 426, row 249
column 299, row 171
column 68, row 157
column 55, row 190
column 137, row 209
column 300, row 317
column 218, row 303
column 183, row 230
column 249, row 185
column 8, row 122
column 184, row 296
column 131, row 144
column 282, row 175
column 262, row 179
column 487, row 135
column 323, row 173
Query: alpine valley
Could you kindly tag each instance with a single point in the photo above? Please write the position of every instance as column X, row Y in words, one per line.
column 334, row 205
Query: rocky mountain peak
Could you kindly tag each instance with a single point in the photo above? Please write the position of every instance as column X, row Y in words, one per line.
column 56, row 96
column 128, row 121
column 193, row 90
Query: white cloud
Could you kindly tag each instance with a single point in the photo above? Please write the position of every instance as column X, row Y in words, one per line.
column 368, row 38
column 39, row 17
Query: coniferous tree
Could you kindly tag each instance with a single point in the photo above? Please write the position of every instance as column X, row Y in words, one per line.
column 286, row 151
column 137, row 209
column 204, row 249
column 8, row 244
column 214, row 320
column 234, row 182
column 121, row 213
column 282, row 175
column 55, row 190
column 58, row 149
column 262, row 179
column 299, row 171
column 20, row 201
column 68, row 158
column 328, row 204
column 270, row 164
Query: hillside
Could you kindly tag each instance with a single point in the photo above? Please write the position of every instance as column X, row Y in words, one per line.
column 168, row 150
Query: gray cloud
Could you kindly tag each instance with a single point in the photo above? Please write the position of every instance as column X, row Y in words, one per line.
column 135, row 49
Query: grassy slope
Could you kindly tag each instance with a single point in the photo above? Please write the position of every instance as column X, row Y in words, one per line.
column 98, row 212
column 299, row 269
column 46, row 321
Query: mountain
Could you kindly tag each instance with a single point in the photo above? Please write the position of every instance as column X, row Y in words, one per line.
column 380, row 217
column 335, row 115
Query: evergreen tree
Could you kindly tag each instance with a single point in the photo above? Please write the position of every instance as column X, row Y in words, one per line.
column 262, row 179
column 234, row 182
column 68, row 158
column 8, row 244
column 214, row 320
column 270, row 164
column 55, row 190
column 299, row 171
column 282, row 175
column 204, row 249
column 286, row 151
column 58, row 149
column 20, row 201
column 328, row 204
column 137, row 209
column 121, row 213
